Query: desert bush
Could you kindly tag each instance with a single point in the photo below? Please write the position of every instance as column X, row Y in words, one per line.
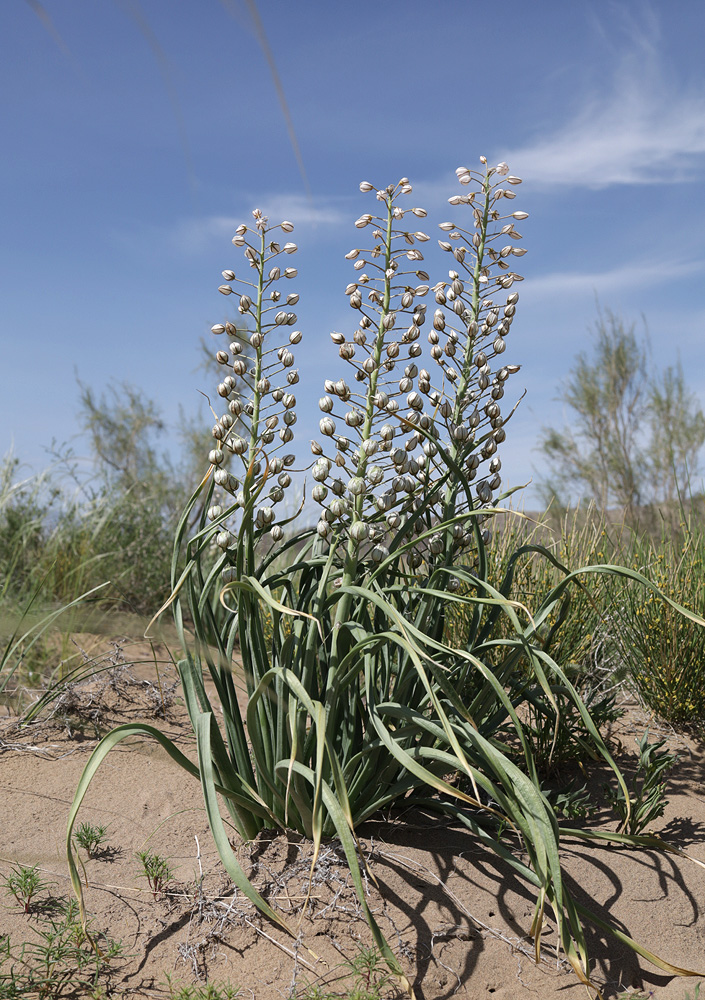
column 66, row 535
column 360, row 695
column 637, row 429
column 662, row 653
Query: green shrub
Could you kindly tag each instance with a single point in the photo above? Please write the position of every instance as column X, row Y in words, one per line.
column 662, row 652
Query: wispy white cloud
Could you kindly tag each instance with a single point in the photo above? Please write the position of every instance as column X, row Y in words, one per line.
column 305, row 211
column 195, row 234
column 642, row 128
column 621, row 279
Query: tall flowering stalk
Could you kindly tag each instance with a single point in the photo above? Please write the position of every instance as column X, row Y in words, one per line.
column 355, row 699
column 400, row 463
column 262, row 378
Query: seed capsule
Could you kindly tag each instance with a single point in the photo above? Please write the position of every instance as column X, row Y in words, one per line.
column 267, row 514
column 224, row 539
column 358, row 531
column 436, row 544
column 483, row 492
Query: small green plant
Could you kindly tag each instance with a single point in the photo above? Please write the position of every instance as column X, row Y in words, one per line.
column 156, row 870
column 365, row 977
column 560, row 736
column 90, row 837
column 573, row 802
column 648, row 793
column 370, row 977
column 209, row 991
column 24, row 884
column 61, row 961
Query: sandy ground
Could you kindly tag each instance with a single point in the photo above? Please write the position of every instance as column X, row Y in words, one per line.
column 457, row 918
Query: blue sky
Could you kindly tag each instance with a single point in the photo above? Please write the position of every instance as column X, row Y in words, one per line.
column 139, row 133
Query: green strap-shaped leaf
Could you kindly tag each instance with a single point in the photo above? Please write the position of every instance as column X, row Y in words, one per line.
column 220, row 836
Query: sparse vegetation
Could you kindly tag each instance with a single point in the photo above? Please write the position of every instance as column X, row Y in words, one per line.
column 364, row 977
column 58, row 959
column 209, row 991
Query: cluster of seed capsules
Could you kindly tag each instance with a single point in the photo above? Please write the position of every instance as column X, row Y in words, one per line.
column 258, row 424
column 405, row 426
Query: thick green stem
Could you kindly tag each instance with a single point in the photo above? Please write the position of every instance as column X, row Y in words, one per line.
column 353, row 546
column 351, row 558
column 256, row 400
